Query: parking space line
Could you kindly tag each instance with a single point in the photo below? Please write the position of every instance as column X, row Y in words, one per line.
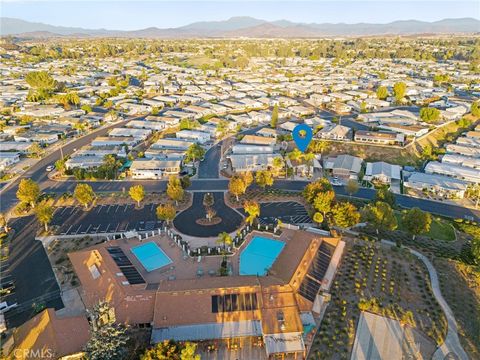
column 73, row 210
column 126, row 207
column 151, row 207
column 99, row 209
column 109, row 207
column 118, row 206
column 104, row 231
column 96, row 229
column 118, row 224
column 66, row 232
column 64, row 209
column 76, row 232
column 89, row 226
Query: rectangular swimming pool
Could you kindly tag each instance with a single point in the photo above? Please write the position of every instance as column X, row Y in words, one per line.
column 259, row 255
column 151, row 256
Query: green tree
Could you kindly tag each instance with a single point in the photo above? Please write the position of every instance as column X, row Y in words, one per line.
column 236, row 186
column 312, row 189
column 399, row 91
column 380, row 215
column 252, row 208
column 166, row 212
column 107, row 340
column 170, row 350
column 382, row 92
column 84, row 194
column 345, row 215
column 137, row 193
column 60, row 166
column 323, row 202
column 194, row 152
column 28, row 192
column 416, row 221
column 385, row 195
column 174, row 189
column 475, row 109
column 185, row 181
column 274, row 120
column 475, row 248
column 44, row 214
column 429, row 114
column 351, row 187
column 264, row 178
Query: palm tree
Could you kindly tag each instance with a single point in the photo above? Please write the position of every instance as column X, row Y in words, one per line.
column 295, row 155
column 309, row 157
column 224, row 239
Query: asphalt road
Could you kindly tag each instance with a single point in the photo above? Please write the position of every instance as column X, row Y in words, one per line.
column 37, row 172
column 33, row 276
column 208, row 168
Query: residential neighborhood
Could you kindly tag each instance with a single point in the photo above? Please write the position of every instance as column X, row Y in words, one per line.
column 221, row 190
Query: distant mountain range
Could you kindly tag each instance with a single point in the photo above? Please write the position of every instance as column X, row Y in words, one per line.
column 247, row 27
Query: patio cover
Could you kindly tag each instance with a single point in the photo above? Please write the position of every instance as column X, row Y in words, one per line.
column 284, row 343
column 210, row 331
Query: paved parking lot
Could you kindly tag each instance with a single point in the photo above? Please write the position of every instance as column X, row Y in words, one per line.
column 288, row 212
column 73, row 220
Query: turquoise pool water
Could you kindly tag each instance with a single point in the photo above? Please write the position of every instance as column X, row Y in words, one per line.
column 259, row 255
column 151, row 256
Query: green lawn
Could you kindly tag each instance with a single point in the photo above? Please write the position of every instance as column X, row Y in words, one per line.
column 439, row 229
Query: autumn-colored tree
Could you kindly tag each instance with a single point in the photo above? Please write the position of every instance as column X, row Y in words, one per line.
column 252, row 208
column 166, row 212
column 323, row 202
column 345, row 215
column 137, row 193
column 236, row 186
column 313, row 188
column 84, row 194
column 247, row 178
column 264, row 178
column 174, row 189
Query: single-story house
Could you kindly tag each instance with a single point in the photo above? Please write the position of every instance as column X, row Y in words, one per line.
column 439, row 184
column 379, row 137
column 257, row 140
column 154, row 169
column 456, row 171
column 345, row 166
column 383, row 172
column 335, row 132
column 193, row 135
column 8, row 159
column 84, row 162
column 251, row 162
column 172, row 144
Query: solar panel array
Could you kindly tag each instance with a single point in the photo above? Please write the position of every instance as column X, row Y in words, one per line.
column 125, row 265
column 313, row 280
column 234, row 302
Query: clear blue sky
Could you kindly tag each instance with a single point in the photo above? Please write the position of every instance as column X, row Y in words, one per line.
column 128, row 14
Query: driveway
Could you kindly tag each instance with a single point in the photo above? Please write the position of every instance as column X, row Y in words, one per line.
column 185, row 222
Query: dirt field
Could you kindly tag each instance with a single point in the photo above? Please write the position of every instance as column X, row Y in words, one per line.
column 384, row 281
column 460, row 285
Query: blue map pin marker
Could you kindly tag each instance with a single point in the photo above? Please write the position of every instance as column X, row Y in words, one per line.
column 302, row 135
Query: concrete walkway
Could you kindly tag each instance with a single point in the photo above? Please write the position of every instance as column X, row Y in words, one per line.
column 451, row 347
